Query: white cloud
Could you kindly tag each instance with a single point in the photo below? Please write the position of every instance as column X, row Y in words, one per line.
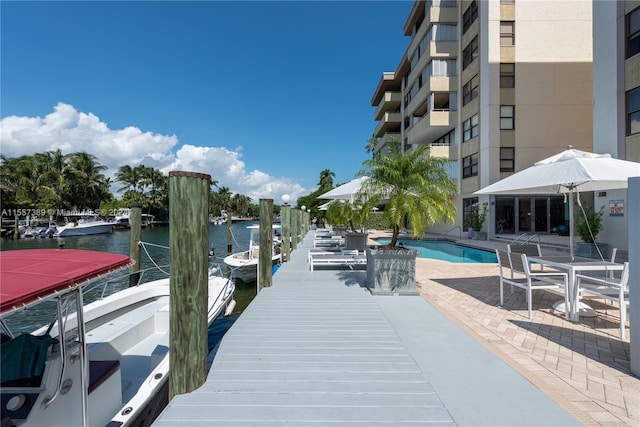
column 70, row 131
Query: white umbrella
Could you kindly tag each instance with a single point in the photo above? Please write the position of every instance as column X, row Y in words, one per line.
column 346, row 191
column 567, row 173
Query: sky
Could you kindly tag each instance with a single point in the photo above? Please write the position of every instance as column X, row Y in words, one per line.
column 263, row 96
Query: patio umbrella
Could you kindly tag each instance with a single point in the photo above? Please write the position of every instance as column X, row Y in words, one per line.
column 346, row 191
column 568, row 172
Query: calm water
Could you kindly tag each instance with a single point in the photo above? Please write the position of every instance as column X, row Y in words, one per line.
column 118, row 242
column 446, row 251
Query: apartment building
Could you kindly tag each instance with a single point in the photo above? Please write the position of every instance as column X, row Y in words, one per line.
column 494, row 86
column 616, row 99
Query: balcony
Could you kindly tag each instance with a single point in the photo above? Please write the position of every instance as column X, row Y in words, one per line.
column 382, row 141
column 389, row 103
column 433, row 84
column 390, row 122
column 432, row 126
column 435, row 15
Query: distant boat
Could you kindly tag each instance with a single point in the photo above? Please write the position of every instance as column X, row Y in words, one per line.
column 121, row 219
column 104, row 363
column 244, row 265
column 84, row 226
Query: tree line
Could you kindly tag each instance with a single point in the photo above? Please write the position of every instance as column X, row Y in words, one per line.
column 55, row 182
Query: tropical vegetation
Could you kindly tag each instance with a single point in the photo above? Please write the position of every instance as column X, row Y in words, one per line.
column 56, row 182
column 414, row 189
column 589, row 222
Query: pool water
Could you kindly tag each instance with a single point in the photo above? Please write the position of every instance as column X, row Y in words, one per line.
column 446, row 251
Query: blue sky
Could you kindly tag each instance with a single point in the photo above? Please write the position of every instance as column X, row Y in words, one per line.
column 262, row 96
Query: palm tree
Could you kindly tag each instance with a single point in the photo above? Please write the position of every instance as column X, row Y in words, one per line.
column 88, row 180
column 128, row 176
column 413, row 186
column 326, row 180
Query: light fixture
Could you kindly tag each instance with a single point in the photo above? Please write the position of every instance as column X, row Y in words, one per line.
column 303, row 207
column 285, row 199
column 309, row 210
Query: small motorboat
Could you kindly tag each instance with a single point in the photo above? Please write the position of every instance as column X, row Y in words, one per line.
column 244, row 264
column 103, row 363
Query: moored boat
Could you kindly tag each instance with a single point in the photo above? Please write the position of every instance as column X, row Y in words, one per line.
column 84, row 226
column 244, row 264
column 106, row 362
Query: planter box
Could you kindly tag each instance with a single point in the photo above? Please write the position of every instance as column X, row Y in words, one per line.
column 391, row 271
column 588, row 250
column 356, row 241
column 479, row 235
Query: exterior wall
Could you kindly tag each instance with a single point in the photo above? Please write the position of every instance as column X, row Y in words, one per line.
column 553, row 84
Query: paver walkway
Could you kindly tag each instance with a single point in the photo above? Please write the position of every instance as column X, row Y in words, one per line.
column 584, row 367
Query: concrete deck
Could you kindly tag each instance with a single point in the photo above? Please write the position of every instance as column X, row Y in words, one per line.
column 318, row 349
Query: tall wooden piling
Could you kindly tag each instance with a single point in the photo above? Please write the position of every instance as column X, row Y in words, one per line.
column 300, row 225
column 266, row 244
column 16, row 228
column 294, row 229
column 188, row 250
column 285, row 220
column 135, row 225
column 229, row 234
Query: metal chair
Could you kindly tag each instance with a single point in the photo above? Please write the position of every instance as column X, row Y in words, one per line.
column 608, row 288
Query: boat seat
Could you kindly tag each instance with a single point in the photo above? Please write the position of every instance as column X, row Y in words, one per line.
column 100, row 371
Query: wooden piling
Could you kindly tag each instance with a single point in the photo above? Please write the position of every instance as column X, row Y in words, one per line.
column 16, row 228
column 266, row 244
column 135, row 225
column 229, row 234
column 300, row 229
column 285, row 221
column 294, row 229
column 188, row 285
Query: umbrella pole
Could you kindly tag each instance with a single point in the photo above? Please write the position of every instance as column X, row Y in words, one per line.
column 571, row 220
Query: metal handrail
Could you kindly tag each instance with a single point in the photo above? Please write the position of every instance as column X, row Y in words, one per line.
column 526, row 241
column 449, row 230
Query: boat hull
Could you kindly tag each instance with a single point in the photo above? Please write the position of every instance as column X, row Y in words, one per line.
column 83, row 230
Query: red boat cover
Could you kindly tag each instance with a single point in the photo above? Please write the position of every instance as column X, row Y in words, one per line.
column 30, row 274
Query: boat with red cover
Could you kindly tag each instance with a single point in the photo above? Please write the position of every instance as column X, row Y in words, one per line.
column 103, row 363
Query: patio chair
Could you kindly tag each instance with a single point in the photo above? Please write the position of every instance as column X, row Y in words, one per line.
column 521, row 276
column 529, row 249
column 608, row 288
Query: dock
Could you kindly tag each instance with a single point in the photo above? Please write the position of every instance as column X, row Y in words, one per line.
column 317, row 349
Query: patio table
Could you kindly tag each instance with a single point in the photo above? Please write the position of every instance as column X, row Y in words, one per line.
column 573, row 266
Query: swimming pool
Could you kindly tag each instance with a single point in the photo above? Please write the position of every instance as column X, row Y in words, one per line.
column 446, row 251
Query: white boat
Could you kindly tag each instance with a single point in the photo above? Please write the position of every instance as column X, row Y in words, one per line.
column 121, row 219
column 244, row 265
column 107, row 362
column 83, row 226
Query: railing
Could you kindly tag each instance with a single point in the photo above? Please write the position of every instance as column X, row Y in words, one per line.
column 530, row 237
column 450, row 230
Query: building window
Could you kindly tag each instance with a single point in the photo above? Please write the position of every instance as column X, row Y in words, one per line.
column 441, row 101
column 470, row 90
column 633, row 33
column 468, row 206
column 633, row 111
column 507, row 33
column 470, row 166
column 469, row 16
column 470, row 128
column 507, row 119
column 470, row 53
column 507, row 159
column 445, row 140
column 507, row 75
